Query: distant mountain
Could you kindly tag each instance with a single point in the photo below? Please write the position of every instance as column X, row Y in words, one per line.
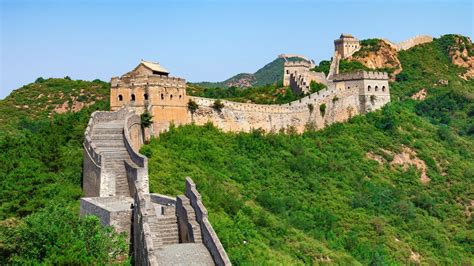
column 271, row 73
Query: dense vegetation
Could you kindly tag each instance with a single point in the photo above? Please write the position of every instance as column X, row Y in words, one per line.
column 285, row 198
column 269, row 94
column 39, row 99
column 323, row 66
column 351, row 66
column 41, row 171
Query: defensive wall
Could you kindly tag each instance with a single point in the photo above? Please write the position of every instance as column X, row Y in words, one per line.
column 352, row 94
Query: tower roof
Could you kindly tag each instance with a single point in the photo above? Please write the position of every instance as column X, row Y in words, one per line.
column 346, row 35
column 154, row 66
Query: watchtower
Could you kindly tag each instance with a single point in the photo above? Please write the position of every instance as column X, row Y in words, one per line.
column 149, row 87
column 346, row 45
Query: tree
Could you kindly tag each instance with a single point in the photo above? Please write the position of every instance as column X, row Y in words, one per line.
column 218, row 105
column 146, row 119
column 192, row 106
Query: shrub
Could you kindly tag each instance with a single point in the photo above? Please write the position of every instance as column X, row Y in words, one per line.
column 192, row 106
column 322, row 109
column 373, row 98
column 310, row 107
column 315, row 86
column 39, row 80
column 146, row 119
column 56, row 235
column 218, row 105
column 67, row 78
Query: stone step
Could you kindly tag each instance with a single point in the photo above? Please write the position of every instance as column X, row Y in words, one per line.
column 108, row 125
column 107, row 131
column 107, row 137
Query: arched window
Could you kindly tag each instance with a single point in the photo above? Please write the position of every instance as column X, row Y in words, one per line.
column 120, row 97
column 171, row 96
column 180, row 97
column 368, row 88
column 162, row 97
column 287, row 71
column 133, row 97
column 376, row 88
column 145, row 96
column 383, row 88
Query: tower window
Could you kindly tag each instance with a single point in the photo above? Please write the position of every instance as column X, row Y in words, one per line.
column 133, row 97
column 383, row 88
column 171, row 96
column 368, row 88
column 145, row 96
column 120, row 97
column 376, row 88
column 162, row 96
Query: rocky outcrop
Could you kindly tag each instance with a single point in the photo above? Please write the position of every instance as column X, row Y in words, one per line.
column 462, row 55
column 379, row 56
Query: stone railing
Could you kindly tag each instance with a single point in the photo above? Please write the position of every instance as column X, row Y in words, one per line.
column 143, row 250
column 137, row 171
column 209, row 237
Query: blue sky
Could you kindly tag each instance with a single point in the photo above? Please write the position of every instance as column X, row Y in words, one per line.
column 198, row 40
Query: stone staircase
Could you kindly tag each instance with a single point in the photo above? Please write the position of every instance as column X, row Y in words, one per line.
column 164, row 230
column 108, row 138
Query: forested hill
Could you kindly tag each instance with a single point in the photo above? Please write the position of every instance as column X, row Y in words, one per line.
column 393, row 187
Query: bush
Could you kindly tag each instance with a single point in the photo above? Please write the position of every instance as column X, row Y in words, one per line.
column 192, row 106
column 218, row 105
column 315, row 86
column 322, row 109
column 57, row 235
column 39, row 80
column 146, row 119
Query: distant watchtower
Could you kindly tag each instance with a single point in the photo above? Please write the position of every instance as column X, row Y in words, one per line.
column 346, row 45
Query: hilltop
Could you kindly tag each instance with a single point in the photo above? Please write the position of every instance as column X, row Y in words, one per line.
column 46, row 97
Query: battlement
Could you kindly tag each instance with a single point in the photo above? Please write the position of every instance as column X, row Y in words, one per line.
column 361, row 75
column 147, row 80
column 297, row 64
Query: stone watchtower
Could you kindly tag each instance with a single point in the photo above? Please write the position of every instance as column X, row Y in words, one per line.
column 149, row 87
column 346, row 45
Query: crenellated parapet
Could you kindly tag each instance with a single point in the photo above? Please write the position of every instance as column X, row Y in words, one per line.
column 301, row 63
column 128, row 81
column 373, row 75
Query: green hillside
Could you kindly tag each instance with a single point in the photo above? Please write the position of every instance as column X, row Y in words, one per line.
column 323, row 196
column 41, row 172
column 331, row 196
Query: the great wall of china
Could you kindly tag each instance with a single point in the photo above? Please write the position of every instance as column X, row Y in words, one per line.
column 165, row 230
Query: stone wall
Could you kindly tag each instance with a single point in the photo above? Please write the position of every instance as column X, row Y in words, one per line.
column 112, row 211
column 341, row 104
column 95, row 182
column 209, row 237
column 407, row 44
